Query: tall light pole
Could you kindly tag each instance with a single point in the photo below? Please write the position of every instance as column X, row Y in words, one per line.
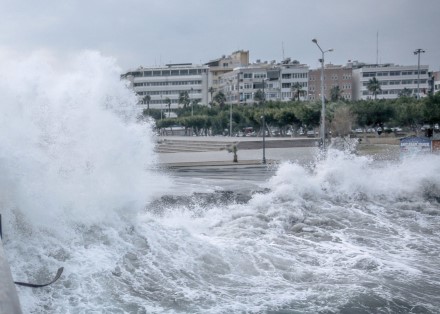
column 230, row 115
column 264, row 124
column 192, row 104
column 418, row 52
column 238, row 100
column 161, row 106
column 322, row 93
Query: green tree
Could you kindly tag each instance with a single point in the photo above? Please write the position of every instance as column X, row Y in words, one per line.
column 372, row 113
column 211, row 90
column 220, row 98
column 335, row 93
column 184, row 99
column 409, row 112
column 297, row 90
column 373, row 86
column 406, row 92
column 431, row 109
column 309, row 114
column 168, row 102
column 146, row 100
column 259, row 96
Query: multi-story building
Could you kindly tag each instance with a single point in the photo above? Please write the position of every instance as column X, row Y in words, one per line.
column 334, row 76
column 294, row 75
column 394, row 80
column 435, row 82
column 277, row 80
column 163, row 83
column 226, row 64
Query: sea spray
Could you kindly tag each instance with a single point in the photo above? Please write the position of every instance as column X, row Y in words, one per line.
column 75, row 163
column 343, row 234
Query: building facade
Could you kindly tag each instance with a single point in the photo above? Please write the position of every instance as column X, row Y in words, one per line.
column 335, row 76
column 278, row 81
column 164, row 84
column 294, row 80
column 395, row 80
column 435, row 82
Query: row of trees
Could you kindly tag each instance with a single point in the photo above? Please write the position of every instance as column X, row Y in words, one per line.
column 341, row 116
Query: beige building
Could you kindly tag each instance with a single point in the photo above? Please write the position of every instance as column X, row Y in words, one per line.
column 334, row 76
column 219, row 67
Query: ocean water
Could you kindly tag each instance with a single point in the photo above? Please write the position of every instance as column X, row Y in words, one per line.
column 81, row 188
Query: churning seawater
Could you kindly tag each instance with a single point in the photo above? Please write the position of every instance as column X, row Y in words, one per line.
column 80, row 188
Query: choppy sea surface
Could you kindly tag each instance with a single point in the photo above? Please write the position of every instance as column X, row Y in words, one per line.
column 81, row 188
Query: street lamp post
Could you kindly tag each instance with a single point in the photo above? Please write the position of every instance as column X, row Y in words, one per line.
column 192, row 105
column 418, row 52
column 322, row 93
column 264, row 125
column 161, row 107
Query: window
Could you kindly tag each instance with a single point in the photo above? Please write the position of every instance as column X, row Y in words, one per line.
column 369, row 74
column 382, row 73
column 193, row 72
column 394, row 73
column 285, row 85
column 286, row 76
column 183, row 72
column 156, row 73
column 165, row 73
column 247, row 95
column 260, row 75
column 247, row 75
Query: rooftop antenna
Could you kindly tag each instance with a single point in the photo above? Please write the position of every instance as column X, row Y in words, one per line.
column 282, row 49
column 377, row 47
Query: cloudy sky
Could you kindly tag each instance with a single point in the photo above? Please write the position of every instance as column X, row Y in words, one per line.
column 156, row 32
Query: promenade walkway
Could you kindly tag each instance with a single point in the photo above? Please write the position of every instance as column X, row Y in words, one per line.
column 212, row 151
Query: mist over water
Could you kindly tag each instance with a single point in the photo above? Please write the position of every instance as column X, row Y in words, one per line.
column 80, row 188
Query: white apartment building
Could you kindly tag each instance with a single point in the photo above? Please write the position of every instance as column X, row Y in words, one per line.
column 436, row 82
column 163, row 83
column 241, row 85
column 292, row 73
column 393, row 79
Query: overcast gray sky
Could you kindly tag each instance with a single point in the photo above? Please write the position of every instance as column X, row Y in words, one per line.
column 155, row 32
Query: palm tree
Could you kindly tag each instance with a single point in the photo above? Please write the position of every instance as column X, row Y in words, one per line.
column 220, row 98
column 211, row 90
column 184, row 99
column 297, row 90
column 373, row 86
column 406, row 92
column 168, row 102
column 335, row 93
column 146, row 100
column 259, row 96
